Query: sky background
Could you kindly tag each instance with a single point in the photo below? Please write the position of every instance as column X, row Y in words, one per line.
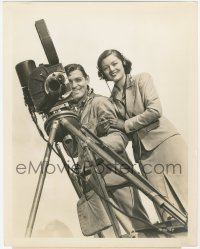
column 159, row 38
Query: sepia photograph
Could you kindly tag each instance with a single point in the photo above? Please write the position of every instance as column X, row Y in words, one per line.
column 100, row 123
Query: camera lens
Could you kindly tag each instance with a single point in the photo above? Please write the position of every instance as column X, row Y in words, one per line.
column 54, row 85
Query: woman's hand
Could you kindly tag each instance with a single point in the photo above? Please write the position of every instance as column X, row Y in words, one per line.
column 117, row 124
column 105, row 124
column 103, row 127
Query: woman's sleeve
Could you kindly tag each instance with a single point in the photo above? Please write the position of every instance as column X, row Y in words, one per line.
column 114, row 138
column 151, row 103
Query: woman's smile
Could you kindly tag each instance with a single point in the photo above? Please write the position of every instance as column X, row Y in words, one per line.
column 113, row 69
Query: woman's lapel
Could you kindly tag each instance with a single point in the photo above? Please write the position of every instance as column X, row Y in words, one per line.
column 130, row 96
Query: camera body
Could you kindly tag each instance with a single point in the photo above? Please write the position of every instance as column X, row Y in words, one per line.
column 48, row 85
column 45, row 86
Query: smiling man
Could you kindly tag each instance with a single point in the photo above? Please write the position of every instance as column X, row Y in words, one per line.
column 94, row 110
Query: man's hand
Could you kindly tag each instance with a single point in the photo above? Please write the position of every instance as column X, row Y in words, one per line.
column 70, row 145
column 117, row 124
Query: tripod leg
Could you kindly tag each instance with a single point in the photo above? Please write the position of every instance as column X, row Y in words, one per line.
column 70, row 175
column 41, row 180
column 108, row 208
column 73, row 180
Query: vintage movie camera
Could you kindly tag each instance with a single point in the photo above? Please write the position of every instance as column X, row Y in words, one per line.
column 46, row 85
column 46, row 88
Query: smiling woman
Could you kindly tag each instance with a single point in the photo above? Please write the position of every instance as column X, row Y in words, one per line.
column 115, row 69
column 154, row 139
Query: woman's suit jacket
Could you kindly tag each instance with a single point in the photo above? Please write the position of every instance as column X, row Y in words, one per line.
column 144, row 112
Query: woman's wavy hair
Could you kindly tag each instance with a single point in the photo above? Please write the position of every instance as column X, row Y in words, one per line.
column 72, row 67
column 127, row 64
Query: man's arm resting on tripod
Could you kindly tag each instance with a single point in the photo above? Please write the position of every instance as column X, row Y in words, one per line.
column 113, row 138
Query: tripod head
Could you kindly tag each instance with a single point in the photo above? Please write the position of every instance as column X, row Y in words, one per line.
column 61, row 133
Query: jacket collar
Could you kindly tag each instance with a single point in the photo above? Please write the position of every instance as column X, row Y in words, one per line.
column 117, row 93
column 83, row 102
column 89, row 96
column 130, row 81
